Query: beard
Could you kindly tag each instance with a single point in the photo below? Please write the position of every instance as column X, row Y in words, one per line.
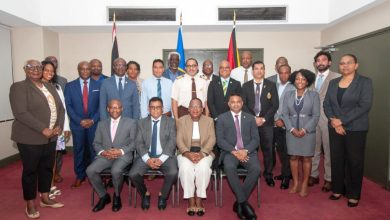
column 322, row 68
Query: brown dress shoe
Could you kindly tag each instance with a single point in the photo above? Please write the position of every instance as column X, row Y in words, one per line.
column 313, row 181
column 327, row 186
column 77, row 184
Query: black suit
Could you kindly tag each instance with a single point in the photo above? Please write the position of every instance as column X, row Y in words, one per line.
column 216, row 100
column 269, row 101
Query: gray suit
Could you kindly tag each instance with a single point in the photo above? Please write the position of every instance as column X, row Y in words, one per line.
column 125, row 140
column 227, row 139
column 168, row 145
column 308, row 120
column 322, row 133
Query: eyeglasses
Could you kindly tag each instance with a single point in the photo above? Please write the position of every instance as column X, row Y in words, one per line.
column 30, row 67
column 192, row 66
column 208, row 65
column 155, row 107
column 119, row 65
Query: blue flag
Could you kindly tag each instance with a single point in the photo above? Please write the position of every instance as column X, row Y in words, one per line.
column 180, row 50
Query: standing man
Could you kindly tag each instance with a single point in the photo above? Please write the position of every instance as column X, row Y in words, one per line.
column 220, row 90
column 156, row 148
column 208, row 70
column 120, row 87
column 322, row 62
column 156, row 86
column 279, row 62
column 188, row 87
column 60, row 79
column 114, row 143
column 261, row 100
column 238, row 138
column 172, row 72
column 96, row 70
column 82, row 105
column 283, row 85
column 243, row 73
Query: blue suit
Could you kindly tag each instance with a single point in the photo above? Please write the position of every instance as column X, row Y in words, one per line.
column 129, row 99
column 82, row 137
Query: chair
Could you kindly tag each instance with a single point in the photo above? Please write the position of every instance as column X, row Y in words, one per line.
column 242, row 172
column 214, row 183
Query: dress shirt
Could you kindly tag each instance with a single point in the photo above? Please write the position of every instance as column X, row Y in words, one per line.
column 111, row 127
column 239, row 72
column 182, row 90
column 281, row 86
column 159, row 150
column 324, row 75
column 149, row 90
column 195, row 130
column 173, row 76
column 239, row 120
column 82, row 84
column 117, row 81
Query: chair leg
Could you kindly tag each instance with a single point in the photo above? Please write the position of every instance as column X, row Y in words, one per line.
column 135, row 197
column 215, row 189
column 173, row 195
column 178, row 191
column 92, row 197
column 130, row 193
column 220, row 190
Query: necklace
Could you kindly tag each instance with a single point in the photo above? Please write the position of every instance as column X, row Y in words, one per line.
column 299, row 100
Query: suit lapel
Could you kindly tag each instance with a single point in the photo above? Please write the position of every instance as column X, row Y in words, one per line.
column 202, row 128
column 350, row 89
column 148, row 128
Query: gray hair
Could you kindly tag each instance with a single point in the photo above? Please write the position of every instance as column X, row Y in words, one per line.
column 173, row 53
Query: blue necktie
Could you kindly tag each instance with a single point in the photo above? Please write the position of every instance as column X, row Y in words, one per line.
column 159, row 88
column 319, row 82
column 153, row 148
column 257, row 107
column 120, row 87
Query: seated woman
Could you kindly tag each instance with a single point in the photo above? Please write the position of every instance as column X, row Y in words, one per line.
column 195, row 141
column 300, row 113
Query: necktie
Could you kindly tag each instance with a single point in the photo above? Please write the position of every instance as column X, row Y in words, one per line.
column 114, row 126
column 246, row 76
column 224, row 86
column 257, row 107
column 153, row 147
column 85, row 97
column 159, row 88
column 120, row 87
column 319, row 82
column 239, row 144
column 193, row 88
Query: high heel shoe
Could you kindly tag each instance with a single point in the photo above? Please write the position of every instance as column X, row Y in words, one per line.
column 201, row 211
column 191, row 211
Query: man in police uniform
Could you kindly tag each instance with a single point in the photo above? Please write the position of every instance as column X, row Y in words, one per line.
column 186, row 87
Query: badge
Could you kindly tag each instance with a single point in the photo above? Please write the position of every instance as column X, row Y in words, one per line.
column 269, row 95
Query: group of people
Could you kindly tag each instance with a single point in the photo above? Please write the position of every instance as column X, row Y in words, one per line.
column 186, row 124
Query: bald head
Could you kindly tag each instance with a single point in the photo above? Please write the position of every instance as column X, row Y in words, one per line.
column 246, row 59
column 224, row 69
column 84, row 70
column 207, row 68
column 279, row 62
column 120, row 66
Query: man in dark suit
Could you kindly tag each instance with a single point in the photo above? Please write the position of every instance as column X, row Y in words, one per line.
column 220, row 89
column 60, row 79
column 114, row 143
column 82, row 105
column 120, row 87
column 261, row 100
column 156, row 148
column 238, row 138
column 172, row 72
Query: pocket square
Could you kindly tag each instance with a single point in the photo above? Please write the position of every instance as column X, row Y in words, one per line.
column 95, row 90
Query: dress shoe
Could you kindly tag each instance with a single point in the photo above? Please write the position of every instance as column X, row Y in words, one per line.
column 285, row 183
column 247, row 211
column 145, row 202
column 334, row 197
column 237, row 208
column 117, row 203
column 352, row 204
column 162, row 203
column 102, row 203
column 77, row 183
column 313, row 181
column 36, row 214
column 270, row 182
column 54, row 205
column 327, row 186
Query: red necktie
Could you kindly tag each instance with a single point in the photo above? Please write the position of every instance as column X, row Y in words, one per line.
column 85, row 97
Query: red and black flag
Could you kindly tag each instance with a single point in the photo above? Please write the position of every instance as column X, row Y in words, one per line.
column 114, row 51
column 233, row 56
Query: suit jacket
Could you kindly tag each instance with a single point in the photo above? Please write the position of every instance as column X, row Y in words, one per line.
column 289, row 87
column 32, row 113
column 355, row 106
column 166, row 73
column 309, row 115
column 130, row 99
column 227, row 137
column 206, row 130
column 124, row 137
column 216, row 101
column 167, row 136
column 62, row 81
column 269, row 100
column 74, row 102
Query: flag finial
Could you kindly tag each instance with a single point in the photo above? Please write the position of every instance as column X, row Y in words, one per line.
column 181, row 18
column 234, row 17
column 114, row 19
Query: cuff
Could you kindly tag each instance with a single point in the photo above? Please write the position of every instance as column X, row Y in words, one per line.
column 145, row 157
column 163, row 157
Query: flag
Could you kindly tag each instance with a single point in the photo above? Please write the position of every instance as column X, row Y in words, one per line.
column 114, row 51
column 233, row 56
column 180, row 48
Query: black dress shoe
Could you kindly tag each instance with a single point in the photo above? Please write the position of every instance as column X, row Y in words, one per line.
column 248, row 211
column 117, row 203
column 285, row 183
column 145, row 202
column 270, row 182
column 237, row 208
column 162, row 203
column 333, row 197
column 352, row 204
column 102, row 203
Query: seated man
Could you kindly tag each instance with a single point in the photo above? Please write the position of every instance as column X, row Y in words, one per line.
column 156, row 147
column 114, row 143
column 238, row 138
column 195, row 140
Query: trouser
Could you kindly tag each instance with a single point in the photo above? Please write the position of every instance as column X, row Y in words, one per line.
column 82, row 142
column 266, row 139
column 322, row 142
column 281, row 147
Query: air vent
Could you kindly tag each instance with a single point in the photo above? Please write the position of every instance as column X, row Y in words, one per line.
column 253, row 14
column 142, row 14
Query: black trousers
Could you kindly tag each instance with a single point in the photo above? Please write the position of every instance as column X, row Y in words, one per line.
column 38, row 162
column 266, row 134
column 347, row 162
column 281, row 147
